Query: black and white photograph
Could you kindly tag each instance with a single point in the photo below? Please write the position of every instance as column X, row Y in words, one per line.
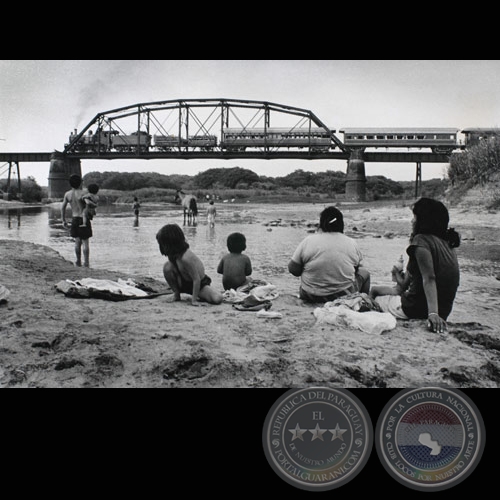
column 261, row 148
column 250, row 224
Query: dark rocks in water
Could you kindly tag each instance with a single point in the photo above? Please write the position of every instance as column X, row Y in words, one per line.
column 65, row 364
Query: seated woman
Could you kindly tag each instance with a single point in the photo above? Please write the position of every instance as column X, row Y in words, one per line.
column 428, row 288
column 329, row 262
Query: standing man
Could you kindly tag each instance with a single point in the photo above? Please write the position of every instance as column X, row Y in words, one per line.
column 77, row 231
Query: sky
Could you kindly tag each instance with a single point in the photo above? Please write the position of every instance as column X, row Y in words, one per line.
column 42, row 101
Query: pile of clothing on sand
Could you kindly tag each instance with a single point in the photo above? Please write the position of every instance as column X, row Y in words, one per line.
column 105, row 289
column 255, row 295
column 356, row 310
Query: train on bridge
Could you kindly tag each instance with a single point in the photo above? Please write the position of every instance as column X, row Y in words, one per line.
column 233, row 139
column 316, row 139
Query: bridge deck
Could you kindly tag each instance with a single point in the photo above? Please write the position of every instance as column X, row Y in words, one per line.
column 382, row 157
column 27, row 157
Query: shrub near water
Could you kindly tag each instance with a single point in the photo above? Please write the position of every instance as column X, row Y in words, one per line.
column 478, row 166
column 30, row 190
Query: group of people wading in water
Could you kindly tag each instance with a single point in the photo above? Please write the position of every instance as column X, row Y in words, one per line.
column 329, row 263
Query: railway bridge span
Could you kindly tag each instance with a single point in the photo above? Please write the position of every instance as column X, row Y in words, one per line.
column 225, row 129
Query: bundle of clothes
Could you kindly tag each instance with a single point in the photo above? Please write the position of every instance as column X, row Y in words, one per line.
column 256, row 295
column 356, row 310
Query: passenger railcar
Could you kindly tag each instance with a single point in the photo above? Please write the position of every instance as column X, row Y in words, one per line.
column 474, row 136
column 439, row 140
column 234, row 139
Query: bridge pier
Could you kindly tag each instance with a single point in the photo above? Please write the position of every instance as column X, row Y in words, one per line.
column 61, row 168
column 355, row 186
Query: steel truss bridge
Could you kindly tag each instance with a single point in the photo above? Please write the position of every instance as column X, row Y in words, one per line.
column 184, row 124
column 215, row 129
column 183, row 119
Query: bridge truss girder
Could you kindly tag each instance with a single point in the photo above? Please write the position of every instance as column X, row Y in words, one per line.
column 184, row 118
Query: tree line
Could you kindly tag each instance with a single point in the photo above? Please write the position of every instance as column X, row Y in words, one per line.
column 236, row 178
column 244, row 181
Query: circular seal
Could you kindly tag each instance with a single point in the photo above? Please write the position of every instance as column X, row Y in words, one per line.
column 430, row 439
column 317, row 439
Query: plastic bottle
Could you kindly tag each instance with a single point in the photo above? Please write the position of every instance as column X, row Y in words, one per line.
column 400, row 263
column 399, row 266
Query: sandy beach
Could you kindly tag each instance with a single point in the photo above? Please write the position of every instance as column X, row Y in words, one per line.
column 51, row 340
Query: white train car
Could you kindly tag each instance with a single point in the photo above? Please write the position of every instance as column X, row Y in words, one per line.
column 439, row 140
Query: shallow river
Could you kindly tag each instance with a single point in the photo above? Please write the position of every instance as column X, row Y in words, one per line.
column 120, row 244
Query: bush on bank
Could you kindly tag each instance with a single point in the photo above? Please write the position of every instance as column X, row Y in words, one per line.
column 31, row 191
column 477, row 167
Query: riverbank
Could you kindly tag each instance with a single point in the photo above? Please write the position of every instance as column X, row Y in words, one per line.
column 18, row 204
column 51, row 340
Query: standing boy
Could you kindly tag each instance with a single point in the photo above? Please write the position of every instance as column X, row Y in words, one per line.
column 74, row 197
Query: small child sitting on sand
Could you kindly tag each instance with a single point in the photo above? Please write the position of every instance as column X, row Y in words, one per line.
column 234, row 266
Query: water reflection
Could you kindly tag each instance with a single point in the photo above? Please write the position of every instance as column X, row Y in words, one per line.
column 15, row 217
column 211, row 234
column 190, row 231
column 11, row 218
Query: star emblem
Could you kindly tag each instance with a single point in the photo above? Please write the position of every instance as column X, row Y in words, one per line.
column 317, row 433
column 337, row 433
column 297, row 433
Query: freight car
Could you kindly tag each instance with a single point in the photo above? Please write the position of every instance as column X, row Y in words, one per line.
column 171, row 142
column 168, row 142
column 203, row 142
column 136, row 141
